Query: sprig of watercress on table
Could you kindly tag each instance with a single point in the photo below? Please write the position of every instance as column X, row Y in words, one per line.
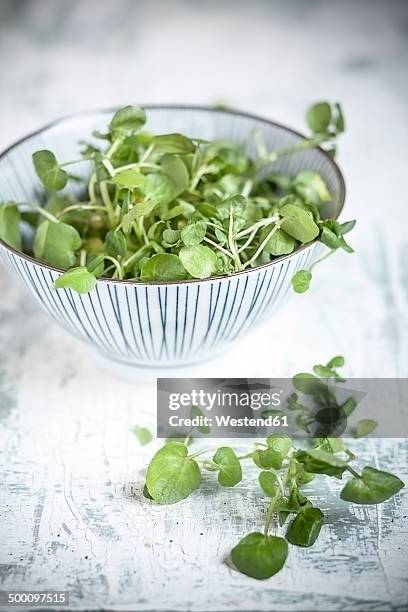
column 284, row 467
column 169, row 207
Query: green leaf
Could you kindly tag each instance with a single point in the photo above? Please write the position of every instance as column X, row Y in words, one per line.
column 260, row 556
column 267, row 458
column 311, row 187
column 115, row 244
column 143, row 434
column 305, row 527
column 171, row 236
column 173, row 143
column 130, row 178
column 175, row 168
column 163, row 267
column 172, row 475
column 197, row 412
column 280, row 243
column 235, row 205
column 267, row 480
column 56, row 243
column 10, row 225
column 51, row 175
column 78, row 279
column 230, row 472
column 308, row 384
column 365, row 427
column 298, row 223
column 280, row 443
column 127, row 120
column 301, row 281
column 336, row 362
column 317, row 461
column 194, row 233
column 318, row 117
column 199, row 261
column 340, row 124
column 347, row 226
column 374, row 487
column 159, row 188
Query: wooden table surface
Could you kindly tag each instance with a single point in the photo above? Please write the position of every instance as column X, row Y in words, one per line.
column 72, row 516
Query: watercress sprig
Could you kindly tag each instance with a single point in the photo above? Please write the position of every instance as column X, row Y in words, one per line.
column 168, row 207
column 285, row 467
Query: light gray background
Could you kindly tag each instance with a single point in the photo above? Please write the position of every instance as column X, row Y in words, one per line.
column 72, row 515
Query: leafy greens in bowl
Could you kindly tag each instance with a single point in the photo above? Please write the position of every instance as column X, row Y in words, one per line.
column 171, row 207
column 167, row 244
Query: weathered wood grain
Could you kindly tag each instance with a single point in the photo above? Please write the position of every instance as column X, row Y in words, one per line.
column 72, row 515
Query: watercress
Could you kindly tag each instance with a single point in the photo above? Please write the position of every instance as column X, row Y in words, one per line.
column 169, row 207
column 175, row 472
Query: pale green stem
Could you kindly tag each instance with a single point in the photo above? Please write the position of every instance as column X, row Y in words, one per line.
column 262, row 246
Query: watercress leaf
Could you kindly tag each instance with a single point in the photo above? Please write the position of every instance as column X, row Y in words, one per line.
column 301, row 281
column 340, row 124
column 318, row 117
column 175, row 168
column 365, row 427
column 172, row 475
column 47, row 169
column 260, row 556
column 317, row 461
column 267, row 458
column 298, row 223
column 163, row 267
column 336, row 362
column 347, row 226
column 308, row 384
column 199, row 261
column 311, row 187
column 194, row 233
column 115, row 244
column 374, row 487
column 56, row 243
column 159, row 188
column 305, row 527
column 96, row 264
column 348, row 406
column 303, row 477
column 330, row 445
column 127, row 120
column 235, row 205
column 329, row 238
column 143, row 434
column 78, row 279
column 280, row 243
column 146, row 493
column 280, row 443
column 10, row 231
column 173, row 143
column 141, row 209
column 230, row 472
column 171, row 236
column 323, row 371
column 197, row 412
column 130, row 178
column 267, row 480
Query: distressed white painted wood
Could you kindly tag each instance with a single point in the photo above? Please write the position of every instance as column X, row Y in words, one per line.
column 71, row 511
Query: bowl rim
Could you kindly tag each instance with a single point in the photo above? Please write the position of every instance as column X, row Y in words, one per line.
column 191, row 107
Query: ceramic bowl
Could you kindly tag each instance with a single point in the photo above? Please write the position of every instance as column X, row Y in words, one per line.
column 162, row 324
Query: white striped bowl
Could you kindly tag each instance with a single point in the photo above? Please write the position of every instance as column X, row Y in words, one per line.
column 161, row 324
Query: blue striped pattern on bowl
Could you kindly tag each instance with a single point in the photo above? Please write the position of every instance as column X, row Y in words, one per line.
column 161, row 324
